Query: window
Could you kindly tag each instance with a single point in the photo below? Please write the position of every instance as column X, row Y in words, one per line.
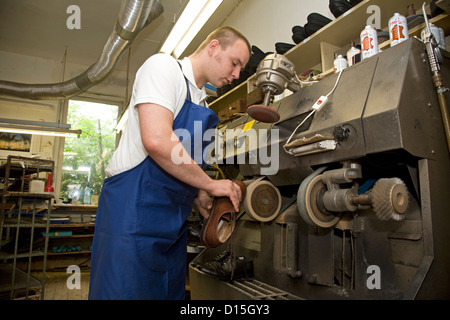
column 86, row 158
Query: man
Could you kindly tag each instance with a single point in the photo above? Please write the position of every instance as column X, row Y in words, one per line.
column 139, row 246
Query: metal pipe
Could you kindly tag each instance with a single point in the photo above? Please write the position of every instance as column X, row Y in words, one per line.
column 438, row 83
column 133, row 17
column 437, row 78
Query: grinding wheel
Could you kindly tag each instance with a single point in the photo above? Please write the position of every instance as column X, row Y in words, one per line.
column 262, row 201
column 263, row 113
column 309, row 203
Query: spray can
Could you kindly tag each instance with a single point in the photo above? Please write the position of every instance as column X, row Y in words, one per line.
column 340, row 63
column 398, row 29
column 369, row 42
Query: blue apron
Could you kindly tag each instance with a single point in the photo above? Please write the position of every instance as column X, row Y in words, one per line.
column 139, row 246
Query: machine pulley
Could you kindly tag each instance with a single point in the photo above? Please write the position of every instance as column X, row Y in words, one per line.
column 321, row 201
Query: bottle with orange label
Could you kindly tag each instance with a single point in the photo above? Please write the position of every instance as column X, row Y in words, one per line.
column 398, row 29
column 369, row 42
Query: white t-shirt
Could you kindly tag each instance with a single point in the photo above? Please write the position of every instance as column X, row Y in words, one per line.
column 160, row 81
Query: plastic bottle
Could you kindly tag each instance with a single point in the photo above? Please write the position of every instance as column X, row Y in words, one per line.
column 340, row 63
column 398, row 29
column 369, row 42
column 49, row 187
column 87, row 195
column 353, row 55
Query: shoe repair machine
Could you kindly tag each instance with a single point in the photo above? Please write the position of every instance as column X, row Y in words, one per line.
column 359, row 207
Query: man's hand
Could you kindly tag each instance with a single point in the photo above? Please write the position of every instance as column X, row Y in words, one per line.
column 204, row 202
column 226, row 188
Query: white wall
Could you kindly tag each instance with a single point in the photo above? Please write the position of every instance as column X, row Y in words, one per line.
column 266, row 22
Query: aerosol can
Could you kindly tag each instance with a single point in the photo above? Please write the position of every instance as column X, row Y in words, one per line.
column 369, row 42
column 398, row 29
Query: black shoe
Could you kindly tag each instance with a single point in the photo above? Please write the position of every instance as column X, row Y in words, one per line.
column 339, row 7
column 282, row 48
column 315, row 22
column 228, row 268
column 298, row 34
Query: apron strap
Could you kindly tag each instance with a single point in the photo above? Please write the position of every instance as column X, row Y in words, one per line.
column 188, row 95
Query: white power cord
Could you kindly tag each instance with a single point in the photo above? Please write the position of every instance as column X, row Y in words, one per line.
column 319, row 104
column 305, row 83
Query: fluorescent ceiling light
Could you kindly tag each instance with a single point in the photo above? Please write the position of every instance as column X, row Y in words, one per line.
column 194, row 16
column 37, row 127
column 42, row 131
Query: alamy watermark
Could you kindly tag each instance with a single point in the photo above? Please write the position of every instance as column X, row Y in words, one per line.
column 374, row 19
column 74, row 20
column 74, row 280
column 374, row 280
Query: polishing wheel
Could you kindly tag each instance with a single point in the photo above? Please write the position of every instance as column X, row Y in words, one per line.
column 263, row 113
column 274, row 75
column 262, row 201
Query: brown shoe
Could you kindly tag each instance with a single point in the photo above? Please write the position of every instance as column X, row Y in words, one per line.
column 219, row 226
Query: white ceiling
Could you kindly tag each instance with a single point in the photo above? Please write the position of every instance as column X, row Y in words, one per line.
column 38, row 28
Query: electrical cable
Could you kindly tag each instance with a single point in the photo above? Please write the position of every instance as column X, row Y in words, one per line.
column 316, row 107
column 304, row 83
column 335, row 85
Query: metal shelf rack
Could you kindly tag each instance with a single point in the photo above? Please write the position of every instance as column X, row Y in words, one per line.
column 21, row 210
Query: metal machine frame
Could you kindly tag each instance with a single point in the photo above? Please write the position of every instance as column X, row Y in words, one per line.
column 384, row 117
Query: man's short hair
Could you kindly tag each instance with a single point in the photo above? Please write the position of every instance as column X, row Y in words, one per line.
column 226, row 36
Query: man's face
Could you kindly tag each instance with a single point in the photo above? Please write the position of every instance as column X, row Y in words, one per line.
column 228, row 63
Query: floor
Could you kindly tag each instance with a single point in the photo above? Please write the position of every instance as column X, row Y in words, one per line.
column 56, row 287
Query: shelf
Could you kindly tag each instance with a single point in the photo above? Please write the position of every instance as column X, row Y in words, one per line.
column 25, row 222
column 69, row 253
column 73, row 225
column 21, row 169
column 341, row 31
column 34, row 253
column 82, row 235
column 30, row 165
column 338, row 33
column 441, row 21
column 76, row 207
column 28, row 195
column 73, row 236
column 24, row 225
column 231, row 96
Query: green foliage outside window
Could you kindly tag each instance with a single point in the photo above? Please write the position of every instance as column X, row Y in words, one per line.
column 86, row 158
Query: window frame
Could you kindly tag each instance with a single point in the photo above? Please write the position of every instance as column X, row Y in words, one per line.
column 60, row 141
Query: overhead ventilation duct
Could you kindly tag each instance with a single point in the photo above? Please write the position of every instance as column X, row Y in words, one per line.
column 134, row 16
